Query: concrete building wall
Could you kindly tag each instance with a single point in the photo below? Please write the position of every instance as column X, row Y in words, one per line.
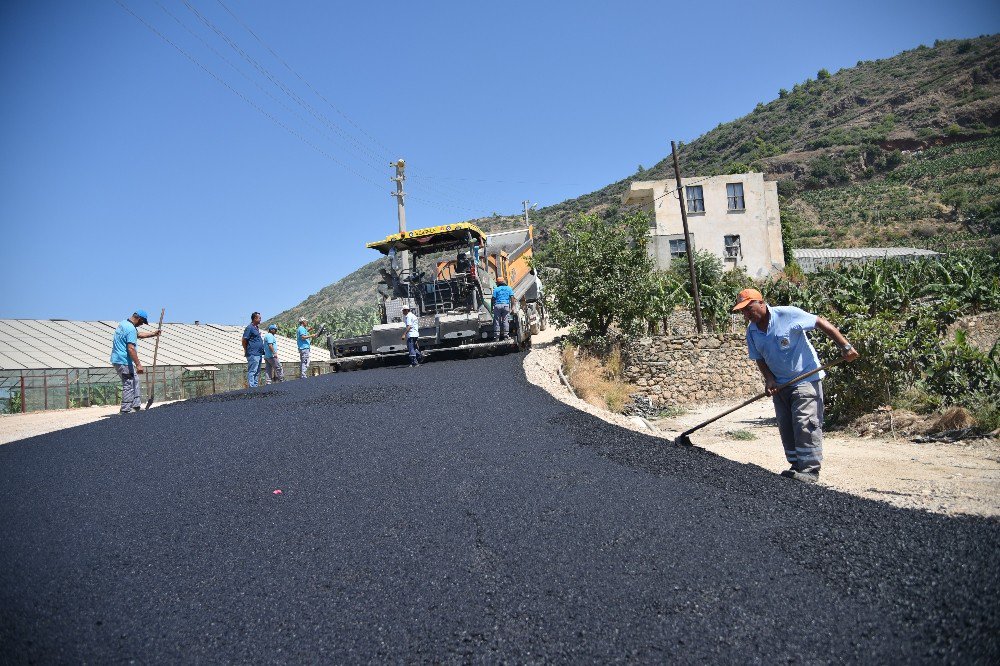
column 758, row 224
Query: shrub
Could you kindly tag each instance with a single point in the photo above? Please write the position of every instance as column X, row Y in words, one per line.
column 985, row 408
column 823, row 74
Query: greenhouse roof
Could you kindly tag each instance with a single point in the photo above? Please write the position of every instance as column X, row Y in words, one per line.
column 36, row 344
column 861, row 252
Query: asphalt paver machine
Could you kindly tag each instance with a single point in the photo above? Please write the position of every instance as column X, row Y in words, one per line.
column 446, row 275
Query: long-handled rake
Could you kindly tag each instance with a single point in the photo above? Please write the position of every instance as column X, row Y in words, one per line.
column 683, row 438
column 156, row 349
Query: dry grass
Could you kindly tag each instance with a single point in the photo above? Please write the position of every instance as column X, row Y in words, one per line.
column 955, row 418
column 597, row 381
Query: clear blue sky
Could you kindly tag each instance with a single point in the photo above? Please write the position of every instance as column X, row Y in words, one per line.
column 131, row 177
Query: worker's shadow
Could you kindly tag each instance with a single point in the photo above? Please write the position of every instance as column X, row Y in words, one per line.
column 760, row 421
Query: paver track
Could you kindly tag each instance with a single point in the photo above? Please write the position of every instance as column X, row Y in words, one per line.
column 455, row 512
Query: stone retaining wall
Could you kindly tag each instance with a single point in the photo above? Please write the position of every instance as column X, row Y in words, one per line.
column 683, row 370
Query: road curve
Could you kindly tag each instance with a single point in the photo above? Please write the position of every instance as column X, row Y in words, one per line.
column 455, row 512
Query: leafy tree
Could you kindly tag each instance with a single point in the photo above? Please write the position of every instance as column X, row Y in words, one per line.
column 823, row 74
column 603, row 275
column 783, row 93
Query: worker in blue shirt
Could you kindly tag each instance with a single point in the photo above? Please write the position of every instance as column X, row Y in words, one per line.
column 125, row 359
column 253, row 349
column 502, row 299
column 302, row 336
column 273, row 371
column 777, row 342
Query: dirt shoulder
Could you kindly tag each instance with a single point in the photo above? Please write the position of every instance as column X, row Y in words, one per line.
column 22, row 426
column 960, row 478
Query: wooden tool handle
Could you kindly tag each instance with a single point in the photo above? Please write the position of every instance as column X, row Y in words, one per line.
column 156, row 349
column 791, row 381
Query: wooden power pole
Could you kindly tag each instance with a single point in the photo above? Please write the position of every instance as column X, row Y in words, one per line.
column 400, row 164
column 687, row 242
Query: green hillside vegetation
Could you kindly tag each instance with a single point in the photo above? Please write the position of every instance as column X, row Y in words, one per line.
column 901, row 151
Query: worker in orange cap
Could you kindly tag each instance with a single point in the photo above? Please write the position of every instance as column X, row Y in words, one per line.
column 776, row 340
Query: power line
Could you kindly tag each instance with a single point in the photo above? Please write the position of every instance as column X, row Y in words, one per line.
column 280, row 85
column 242, row 73
column 504, row 182
column 385, row 157
column 301, row 78
column 264, row 112
column 244, row 97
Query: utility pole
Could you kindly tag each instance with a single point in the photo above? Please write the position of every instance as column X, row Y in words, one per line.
column 687, row 241
column 528, row 206
column 400, row 164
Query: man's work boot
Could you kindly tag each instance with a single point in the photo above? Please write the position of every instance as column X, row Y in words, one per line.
column 806, row 477
column 788, row 473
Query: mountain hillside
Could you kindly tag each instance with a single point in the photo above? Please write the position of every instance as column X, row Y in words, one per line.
column 901, row 151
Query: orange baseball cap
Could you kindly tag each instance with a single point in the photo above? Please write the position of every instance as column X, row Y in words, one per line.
column 745, row 297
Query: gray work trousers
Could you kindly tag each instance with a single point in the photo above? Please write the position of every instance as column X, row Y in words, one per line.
column 501, row 319
column 131, row 388
column 273, row 371
column 799, row 410
column 304, row 362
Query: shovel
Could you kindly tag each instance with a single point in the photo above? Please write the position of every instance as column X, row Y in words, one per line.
column 152, row 373
column 683, row 438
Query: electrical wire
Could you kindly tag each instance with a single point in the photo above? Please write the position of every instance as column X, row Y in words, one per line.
column 232, row 65
column 277, row 57
column 265, row 113
column 245, row 98
column 385, row 156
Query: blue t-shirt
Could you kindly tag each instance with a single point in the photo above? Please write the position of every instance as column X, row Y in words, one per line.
column 269, row 340
column 125, row 335
column 502, row 295
column 784, row 346
column 303, row 342
column 255, row 343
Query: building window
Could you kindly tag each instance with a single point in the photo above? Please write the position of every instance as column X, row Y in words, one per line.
column 733, row 249
column 695, row 199
column 678, row 248
column 734, row 193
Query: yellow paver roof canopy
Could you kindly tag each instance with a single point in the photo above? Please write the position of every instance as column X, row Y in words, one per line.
column 451, row 234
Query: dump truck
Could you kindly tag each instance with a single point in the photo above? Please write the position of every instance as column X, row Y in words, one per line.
column 446, row 275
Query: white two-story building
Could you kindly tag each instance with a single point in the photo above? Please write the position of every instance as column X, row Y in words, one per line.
column 734, row 217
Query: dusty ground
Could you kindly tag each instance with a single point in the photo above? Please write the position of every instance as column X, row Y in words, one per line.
column 22, row 426
column 961, row 478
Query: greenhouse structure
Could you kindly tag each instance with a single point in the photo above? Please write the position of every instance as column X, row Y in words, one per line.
column 59, row 364
column 811, row 260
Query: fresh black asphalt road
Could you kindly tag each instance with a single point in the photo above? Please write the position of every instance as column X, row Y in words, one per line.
column 456, row 513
